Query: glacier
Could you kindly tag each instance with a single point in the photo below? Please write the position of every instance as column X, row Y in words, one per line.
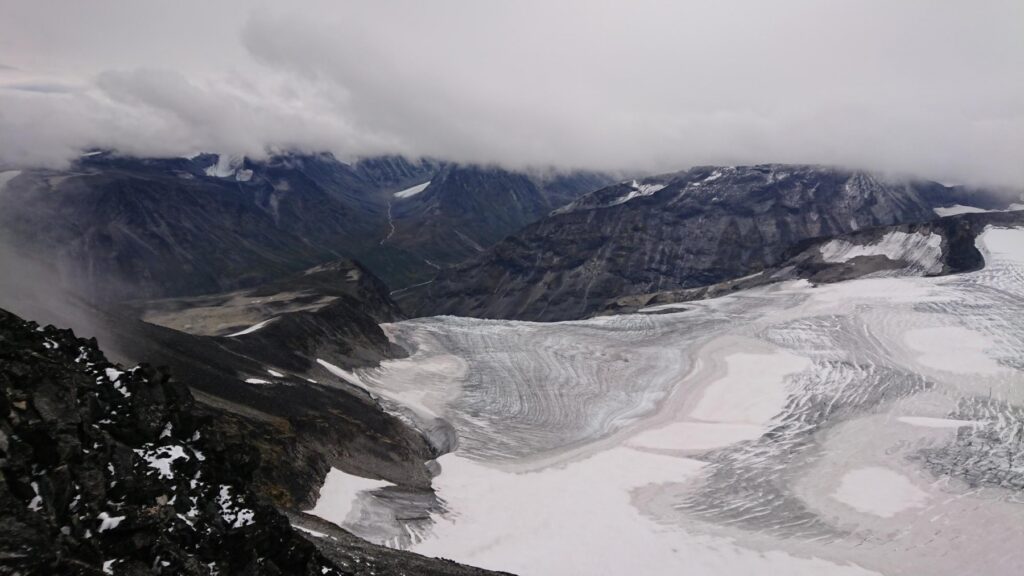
column 862, row 427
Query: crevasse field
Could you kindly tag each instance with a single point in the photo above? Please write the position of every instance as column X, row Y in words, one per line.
column 868, row 427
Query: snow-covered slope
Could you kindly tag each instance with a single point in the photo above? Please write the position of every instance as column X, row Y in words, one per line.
column 861, row 427
column 922, row 253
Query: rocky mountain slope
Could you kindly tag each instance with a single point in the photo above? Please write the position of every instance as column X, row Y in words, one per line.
column 681, row 230
column 939, row 247
column 108, row 470
column 463, row 210
column 187, row 226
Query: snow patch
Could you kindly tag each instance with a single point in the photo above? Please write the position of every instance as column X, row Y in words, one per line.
column 251, row 329
column 410, row 192
column 162, row 458
column 1002, row 245
column 236, row 516
column 879, row 491
column 953, row 349
column 340, row 492
column 560, row 521
column 225, row 166
column 921, row 251
column 753, row 389
column 959, row 209
column 638, row 191
column 108, row 522
column 257, row 381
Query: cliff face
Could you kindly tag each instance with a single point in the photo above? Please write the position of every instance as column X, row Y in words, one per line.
column 681, row 230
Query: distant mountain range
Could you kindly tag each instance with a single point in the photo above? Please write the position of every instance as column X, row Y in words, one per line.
column 676, row 231
column 186, row 226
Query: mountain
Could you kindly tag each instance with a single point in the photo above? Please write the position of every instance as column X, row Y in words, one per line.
column 939, row 247
column 110, row 470
column 148, row 228
column 680, row 230
column 463, row 210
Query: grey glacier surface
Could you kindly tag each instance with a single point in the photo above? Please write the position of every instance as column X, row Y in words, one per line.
column 862, row 427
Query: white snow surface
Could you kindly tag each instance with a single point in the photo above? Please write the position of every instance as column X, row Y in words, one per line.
column 251, row 329
column 953, row 349
column 1003, row 245
column 225, row 167
column 638, row 191
column 412, row 191
column 161, row 458
column 879, row 491
column 921, row 251
column 961, row 209
column 340, row 493
column 108, row 522
column 752, row 390
column 777, row 430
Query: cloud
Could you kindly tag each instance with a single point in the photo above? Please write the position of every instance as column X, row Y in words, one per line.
column 930, row 87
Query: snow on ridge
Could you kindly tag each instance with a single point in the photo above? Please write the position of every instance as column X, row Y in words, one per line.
column 412, row 191
column 921, row 251
column 638, row 191
column 956, row 209
column 225, row 166
column 250, row 329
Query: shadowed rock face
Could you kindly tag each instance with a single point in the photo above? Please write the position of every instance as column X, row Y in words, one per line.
column 680, row 230
column 151, row 228
column 110, row 470
column 467, row 209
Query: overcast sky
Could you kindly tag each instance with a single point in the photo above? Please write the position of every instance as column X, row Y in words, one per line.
column 929, row 87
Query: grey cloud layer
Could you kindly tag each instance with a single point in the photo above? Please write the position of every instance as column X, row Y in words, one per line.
column 932, row 87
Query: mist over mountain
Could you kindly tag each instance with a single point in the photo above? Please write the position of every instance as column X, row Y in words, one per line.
column 930, row 89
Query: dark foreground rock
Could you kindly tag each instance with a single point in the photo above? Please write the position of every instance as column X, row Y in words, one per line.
column 108, row 470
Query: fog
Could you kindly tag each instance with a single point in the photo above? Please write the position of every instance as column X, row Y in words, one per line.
column 925, row 87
